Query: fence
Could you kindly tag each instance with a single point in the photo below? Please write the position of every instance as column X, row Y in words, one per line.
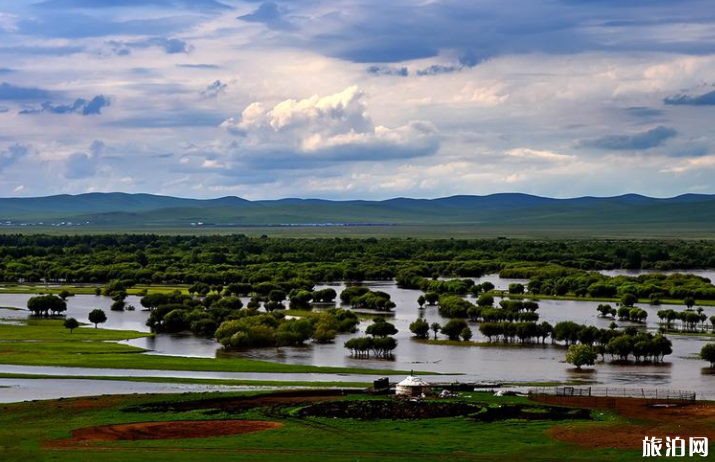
column 591, row 392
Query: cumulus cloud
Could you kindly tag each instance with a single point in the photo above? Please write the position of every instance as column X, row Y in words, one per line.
column 12, row 154
column 214, row 90
column 79, row 106
column 708, row 99
column 334, row 126
column 638, row 141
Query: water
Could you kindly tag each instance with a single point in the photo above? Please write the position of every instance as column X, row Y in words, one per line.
column 682, row 369
column 16, row 390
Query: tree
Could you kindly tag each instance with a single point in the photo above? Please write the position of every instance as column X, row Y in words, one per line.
column 516, row 288
column 707, row 352
column 45, row 304
column 629, row 300
column 454, row 327
column 71, row 324
column 581, row 355
column 65, row 294
column 431, row 298
column 380, row 328
column 689, row 302
column 97, row 317
column 436, row 327
column 466, row 334
column 420, row 328
column 421, row 300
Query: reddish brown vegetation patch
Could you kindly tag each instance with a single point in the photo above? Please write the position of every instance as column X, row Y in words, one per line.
column 685, row 420
column 178, row 429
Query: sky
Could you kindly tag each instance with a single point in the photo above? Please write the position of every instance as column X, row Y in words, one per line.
column 347, row 99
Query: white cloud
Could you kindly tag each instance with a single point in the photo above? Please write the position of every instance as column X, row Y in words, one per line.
column 336, row 125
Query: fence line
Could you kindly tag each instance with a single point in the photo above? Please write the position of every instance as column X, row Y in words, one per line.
column 644, row 393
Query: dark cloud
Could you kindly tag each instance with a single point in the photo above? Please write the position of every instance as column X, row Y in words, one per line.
column 214, row 90
column 399, row 30
column 387, row 70
column 199, row 66
column 644, row 112
column 169, row 45
column 708, row 99
column 13, row 154
column 202, row 5
column 438, row 69
column 79, row 106
column 10, row 92
column 271, row 14
column 640, row 141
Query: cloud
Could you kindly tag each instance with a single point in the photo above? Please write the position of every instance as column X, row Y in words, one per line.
column 5, row 71
column 79, row 106
column 214, row 90
column 203, row 5
column 387, row 70
column 13, row 154
column 437, row 69
column 535, row 154
column 78, row 25
column 641, row 112
column 271, row 14
column 169, row 45
column 639, row 141
column 331, row 127
column 708, row 99
column 42, row 50
column 199, row 66
column 10, row 92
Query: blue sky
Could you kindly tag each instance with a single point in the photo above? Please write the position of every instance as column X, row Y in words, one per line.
column 357, row 99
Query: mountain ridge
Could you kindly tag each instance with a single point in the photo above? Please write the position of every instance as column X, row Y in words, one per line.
column 515, row 209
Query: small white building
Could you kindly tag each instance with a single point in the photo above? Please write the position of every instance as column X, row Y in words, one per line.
column 413, row 387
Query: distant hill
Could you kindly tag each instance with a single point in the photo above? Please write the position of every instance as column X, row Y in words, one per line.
column 519, row 212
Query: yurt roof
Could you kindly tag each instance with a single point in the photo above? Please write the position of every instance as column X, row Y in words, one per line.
column 412, row 381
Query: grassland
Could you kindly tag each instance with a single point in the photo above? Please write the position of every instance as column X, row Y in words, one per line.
column 28, row 431
column 47, row 343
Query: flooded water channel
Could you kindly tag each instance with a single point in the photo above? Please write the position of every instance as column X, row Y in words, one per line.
column 682, row 369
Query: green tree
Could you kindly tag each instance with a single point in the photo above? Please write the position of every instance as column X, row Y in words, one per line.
column 454, row 327
column 436, row 328
column 629, row 300
column 71, row 324
column 420, row 328
column 97, row 317
column 707, row 352
column 581, row 355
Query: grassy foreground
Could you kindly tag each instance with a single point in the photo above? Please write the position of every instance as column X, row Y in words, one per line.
column 47, row 343
column 29, row 431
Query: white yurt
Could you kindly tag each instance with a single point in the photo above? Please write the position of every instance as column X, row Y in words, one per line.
column 413, row 387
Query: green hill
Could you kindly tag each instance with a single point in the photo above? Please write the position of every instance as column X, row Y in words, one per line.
column 520, row 213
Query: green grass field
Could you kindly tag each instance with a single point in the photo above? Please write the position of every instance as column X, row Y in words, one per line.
column 46, row 343
column 27, row 432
